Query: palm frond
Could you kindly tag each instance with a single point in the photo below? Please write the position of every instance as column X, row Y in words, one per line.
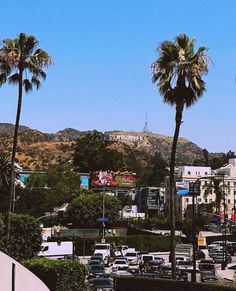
column 13, row 79
column 27, row 85
column 36, row 82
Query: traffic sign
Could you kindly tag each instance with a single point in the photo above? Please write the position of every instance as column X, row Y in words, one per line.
column 102, row 219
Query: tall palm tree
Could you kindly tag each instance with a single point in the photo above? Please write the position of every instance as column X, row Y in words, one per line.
column 21, row 63
column 178, row 74
column 218, row 189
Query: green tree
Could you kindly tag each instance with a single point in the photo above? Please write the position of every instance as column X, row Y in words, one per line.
column 215, row 186
column 87, row 208
column 5, row 174
column 206, row 157
column 44, row 192
column 19, row 59
column 94, row 152
column 25, row 237
column 178, row 74
column 156, row 170
column 64, row 183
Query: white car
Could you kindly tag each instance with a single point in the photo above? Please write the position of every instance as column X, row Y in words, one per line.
column 120, row 264
column 132, row 257
column 184, row 265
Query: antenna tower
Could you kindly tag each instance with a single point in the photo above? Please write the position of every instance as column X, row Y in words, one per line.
column 145, row 129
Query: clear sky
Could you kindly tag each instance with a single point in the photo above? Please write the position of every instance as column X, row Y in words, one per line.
column 103, row 50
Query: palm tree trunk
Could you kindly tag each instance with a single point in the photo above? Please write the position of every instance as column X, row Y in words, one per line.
column 178, row 121
column 13, row 156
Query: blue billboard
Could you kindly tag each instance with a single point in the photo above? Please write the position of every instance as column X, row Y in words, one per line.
column 182, row 188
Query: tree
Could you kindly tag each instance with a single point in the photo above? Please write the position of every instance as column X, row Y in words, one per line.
column 206, row 157
column 44, row 192
column 156, row 170
column 25, row 237
column 5, row 174
column 178, row 74
column 87, row 208
column 19, row 59
column 215, row 186
column 93, row 152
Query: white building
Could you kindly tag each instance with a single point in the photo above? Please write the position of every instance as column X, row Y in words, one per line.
column 192, row 173
column 131, row 212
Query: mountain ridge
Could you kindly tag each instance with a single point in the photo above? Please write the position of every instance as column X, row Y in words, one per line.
column 36, row 150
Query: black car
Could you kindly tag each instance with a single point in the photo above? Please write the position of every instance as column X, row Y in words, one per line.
column 101, row 284
column 95, row 271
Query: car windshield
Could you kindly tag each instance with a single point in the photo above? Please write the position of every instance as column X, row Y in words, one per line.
column 120, row 262
column 96, row 268
column 97, row 258
column 185, row 263
column 131, row 255
column 101, row 247
column 206, row 267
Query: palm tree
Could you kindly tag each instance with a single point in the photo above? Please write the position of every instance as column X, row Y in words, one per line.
column 219, row 190
column 20, row 58
column 178, row 74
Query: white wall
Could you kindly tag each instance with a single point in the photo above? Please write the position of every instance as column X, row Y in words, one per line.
column 24, row 279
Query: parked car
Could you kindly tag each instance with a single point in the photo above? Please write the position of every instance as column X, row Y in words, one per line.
column 97, row 257
column 166, row 271
column 208, row 277
column 154, row 266
column 132, row 257
column 145, row 258
column 95, row 263
column 220, row 257
column 206, row 266
column 120, row 263
column 184, row 265
column 101, row 284
column 159, row 259
column 95, row 271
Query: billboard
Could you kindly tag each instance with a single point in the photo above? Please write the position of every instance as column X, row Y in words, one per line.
column 113, row 179
column 182, row 188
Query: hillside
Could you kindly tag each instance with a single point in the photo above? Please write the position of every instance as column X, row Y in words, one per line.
column 36, row 150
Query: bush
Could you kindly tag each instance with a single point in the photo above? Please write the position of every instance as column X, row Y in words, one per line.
column 25, row 237
column 59, row 275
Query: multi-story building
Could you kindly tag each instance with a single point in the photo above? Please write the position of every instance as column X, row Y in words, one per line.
column 227, row 175
column 151, row 200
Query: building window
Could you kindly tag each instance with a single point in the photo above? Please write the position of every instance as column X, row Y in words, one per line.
column 205, row 200
column 199, row 199
column 234, row 183
column 228, row 200
column 187, row 200
column 206, row 183
column 210, row 200
column 205, row 173
column 189, row 173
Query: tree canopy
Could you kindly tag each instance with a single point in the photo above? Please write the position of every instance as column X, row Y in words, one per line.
column 93, row 152
column 88, row 207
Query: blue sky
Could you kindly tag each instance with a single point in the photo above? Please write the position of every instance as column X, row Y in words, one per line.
column 103, row 50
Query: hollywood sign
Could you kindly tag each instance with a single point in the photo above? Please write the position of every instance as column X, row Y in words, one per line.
column 127, row 137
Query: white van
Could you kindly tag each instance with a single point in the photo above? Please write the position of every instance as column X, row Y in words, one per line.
column 53, row 250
